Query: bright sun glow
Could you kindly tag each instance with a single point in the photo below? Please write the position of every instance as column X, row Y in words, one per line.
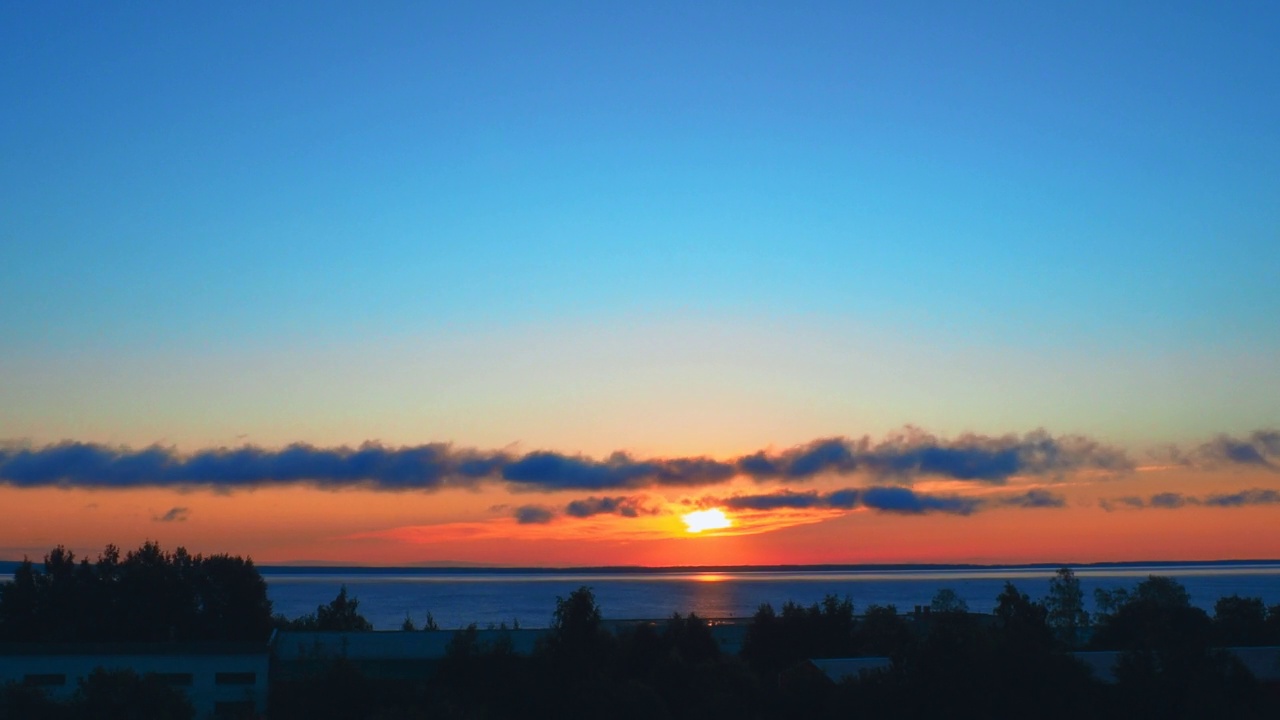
column 700, row 520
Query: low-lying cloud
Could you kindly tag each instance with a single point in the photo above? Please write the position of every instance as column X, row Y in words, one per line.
column 1258, row 449
column 534, row 514
column 1174, row 501
column 624, row 506
column 901, row 457
column 885, row 498
column 174, row 514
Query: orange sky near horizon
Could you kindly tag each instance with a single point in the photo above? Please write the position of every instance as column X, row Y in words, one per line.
column 301, row 524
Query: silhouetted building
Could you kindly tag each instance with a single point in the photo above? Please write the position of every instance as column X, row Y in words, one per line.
column 220, row 679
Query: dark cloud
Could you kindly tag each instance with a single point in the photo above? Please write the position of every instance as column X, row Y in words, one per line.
column 773, row 501
column 1129, row 501
column 98, row 466
column 887, row 499
column 830, row 455
column 846, row 499
column 1259, row 449
column 1173, row 501
column 1244, row 497
column 533, row 515
column 624, row 506
column 553, row 471
column 175, row 514
column 908, row 502
column 1033, row 499
column 902, row 457
column 989, row 458
column 1169, row 500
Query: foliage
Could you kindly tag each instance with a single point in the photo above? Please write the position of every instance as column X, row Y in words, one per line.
column 882, row 632
column 576, row 637
column 149, row 595
column 340, row 615
column 822, row 630
column 947, row 601
column 952, row 664
column 1241, row 621
column 1065, row 604
column 1169, row 668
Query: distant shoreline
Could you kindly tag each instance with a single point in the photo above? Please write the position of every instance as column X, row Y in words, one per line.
column 7, row 567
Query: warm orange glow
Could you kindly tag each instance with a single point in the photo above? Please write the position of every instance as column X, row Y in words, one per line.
column 699, row 520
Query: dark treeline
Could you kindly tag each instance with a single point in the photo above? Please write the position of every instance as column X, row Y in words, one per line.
column 147, row 595
column 1015, row 661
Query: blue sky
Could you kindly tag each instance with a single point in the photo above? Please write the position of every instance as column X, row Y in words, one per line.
column 603, row 225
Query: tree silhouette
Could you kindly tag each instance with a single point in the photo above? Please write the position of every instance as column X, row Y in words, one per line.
column 149, row 595
column 575, row 628
column 1065, row 604
column 1240, row 621
column 341, row 614
column 947, row 601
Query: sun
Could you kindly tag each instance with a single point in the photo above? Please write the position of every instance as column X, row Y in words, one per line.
column 699, row 520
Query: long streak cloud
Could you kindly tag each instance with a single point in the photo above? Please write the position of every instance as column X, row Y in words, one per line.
column 903, row 456
column 889, row 499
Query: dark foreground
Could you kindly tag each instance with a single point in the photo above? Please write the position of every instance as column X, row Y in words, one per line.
column 946, row 662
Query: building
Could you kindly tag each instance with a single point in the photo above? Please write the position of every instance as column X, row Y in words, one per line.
column 221, row 679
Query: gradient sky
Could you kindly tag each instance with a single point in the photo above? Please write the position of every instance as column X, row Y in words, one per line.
column 672, row 230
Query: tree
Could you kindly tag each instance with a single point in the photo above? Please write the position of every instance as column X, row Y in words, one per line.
column 575, row 625
column 1168, row 668
column 149, row 595
column 1240, row 621
column 691, row 638
column 883, row 632
column 1158, row 616
column 1065, row 604
column 947, row 601
column 341, row 615
column 1022, row 624
column 407, row 625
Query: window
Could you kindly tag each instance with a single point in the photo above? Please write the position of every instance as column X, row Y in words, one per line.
column 235, row 678
column 182, row 679
column 44, row 680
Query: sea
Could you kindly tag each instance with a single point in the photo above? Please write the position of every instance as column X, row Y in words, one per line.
column 456, row 597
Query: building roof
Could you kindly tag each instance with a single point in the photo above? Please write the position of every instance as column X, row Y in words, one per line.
column 389, row 644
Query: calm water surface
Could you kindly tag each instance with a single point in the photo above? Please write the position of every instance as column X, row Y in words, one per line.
column 458, row 598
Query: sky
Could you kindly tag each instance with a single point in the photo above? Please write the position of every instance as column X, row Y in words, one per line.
column 523, row 284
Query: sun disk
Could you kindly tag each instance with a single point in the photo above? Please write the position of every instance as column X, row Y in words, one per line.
column 699, row 520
